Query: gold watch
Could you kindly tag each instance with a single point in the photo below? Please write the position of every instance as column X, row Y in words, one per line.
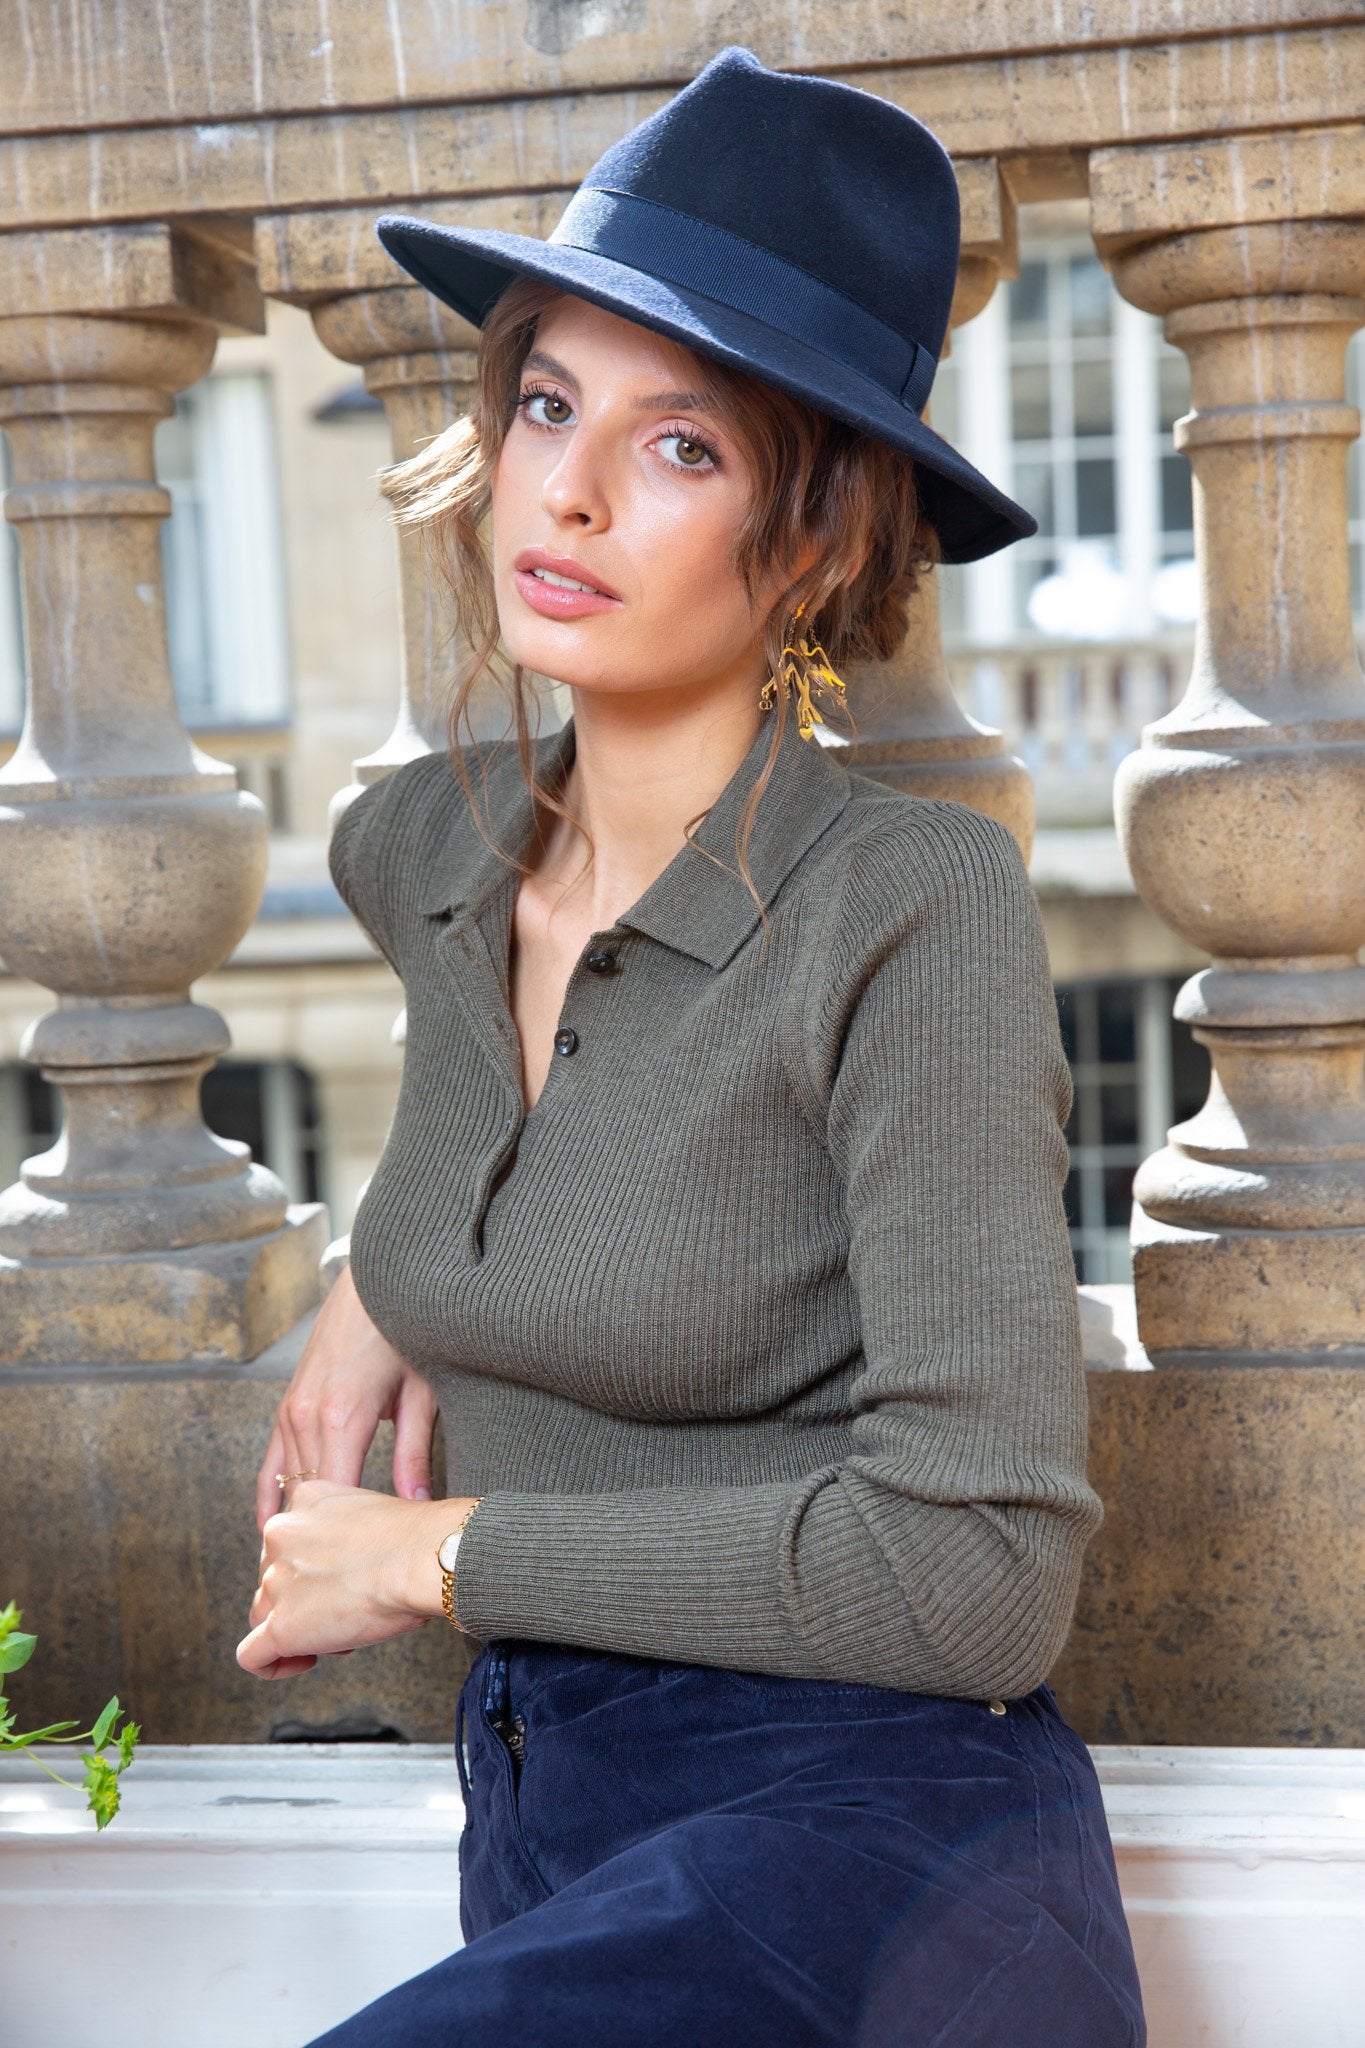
column 445, row 1558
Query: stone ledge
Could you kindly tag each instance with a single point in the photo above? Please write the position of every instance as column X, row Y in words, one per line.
column 272, row 1891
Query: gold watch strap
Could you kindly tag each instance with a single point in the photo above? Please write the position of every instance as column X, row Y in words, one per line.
column 448, row 1577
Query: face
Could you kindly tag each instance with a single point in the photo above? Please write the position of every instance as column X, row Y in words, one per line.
column 618, row 498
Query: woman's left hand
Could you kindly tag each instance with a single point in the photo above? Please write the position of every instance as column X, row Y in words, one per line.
column 343, row 1567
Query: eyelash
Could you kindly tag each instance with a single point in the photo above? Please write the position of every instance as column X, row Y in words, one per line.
column 676, row 430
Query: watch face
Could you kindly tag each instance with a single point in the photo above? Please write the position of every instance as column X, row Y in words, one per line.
column 445, row 1556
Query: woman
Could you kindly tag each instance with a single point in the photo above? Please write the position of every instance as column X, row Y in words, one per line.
column 722, row 1204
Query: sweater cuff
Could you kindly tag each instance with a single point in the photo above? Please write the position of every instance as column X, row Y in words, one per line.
column 698, row 1568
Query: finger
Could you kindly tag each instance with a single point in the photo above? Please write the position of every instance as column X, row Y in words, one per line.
column 332, row 1438
column 273, row 1666
column 267, row 1487
column 414, row 1423
column 257, row 1653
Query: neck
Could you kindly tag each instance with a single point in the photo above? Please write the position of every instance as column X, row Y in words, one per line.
column 640, row 775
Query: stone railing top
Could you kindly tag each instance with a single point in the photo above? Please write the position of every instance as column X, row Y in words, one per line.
column 215, row 60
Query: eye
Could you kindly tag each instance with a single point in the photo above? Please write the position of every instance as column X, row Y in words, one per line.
column 689, row 451
column 545, row 408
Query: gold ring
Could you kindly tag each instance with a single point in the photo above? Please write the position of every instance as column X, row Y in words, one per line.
column 283, row 1478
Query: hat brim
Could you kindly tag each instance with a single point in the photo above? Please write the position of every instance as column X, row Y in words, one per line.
column 468, row 269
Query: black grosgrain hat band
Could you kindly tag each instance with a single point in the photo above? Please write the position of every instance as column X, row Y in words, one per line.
column 698, row 257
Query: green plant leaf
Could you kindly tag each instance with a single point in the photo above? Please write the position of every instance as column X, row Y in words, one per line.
column 10, row 1618
column 101, row 1790
column 43, row 1734
column 127, row 1743
column 15, row 1650
column 99, row 1734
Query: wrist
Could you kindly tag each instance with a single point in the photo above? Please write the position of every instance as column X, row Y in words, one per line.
column 432, row 1522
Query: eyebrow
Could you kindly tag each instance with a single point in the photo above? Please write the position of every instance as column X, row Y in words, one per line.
column 654, row 401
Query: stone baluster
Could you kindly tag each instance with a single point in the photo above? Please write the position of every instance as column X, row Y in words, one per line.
column 130, row 862
column 912, row 732
column 1243, row 812
column 418, row 359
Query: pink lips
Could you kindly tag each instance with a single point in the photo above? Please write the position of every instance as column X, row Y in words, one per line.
column 552, row 600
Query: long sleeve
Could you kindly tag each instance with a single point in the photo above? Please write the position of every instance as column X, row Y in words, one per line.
column 942, row 1553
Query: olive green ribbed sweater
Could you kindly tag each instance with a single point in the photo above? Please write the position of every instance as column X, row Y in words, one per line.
column 759, row 1334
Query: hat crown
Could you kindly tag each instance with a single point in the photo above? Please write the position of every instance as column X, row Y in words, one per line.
column 838, row 183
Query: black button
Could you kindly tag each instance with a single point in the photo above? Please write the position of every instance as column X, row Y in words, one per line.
column 602, row 961
column 566, row 1041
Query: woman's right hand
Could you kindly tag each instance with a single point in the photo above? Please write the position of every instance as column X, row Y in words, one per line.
column 348, row 1381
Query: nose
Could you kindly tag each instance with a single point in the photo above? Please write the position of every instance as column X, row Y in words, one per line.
column 574, row 492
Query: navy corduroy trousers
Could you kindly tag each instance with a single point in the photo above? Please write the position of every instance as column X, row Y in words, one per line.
column 693, row 1858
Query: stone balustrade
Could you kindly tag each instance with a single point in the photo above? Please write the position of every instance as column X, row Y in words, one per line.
column 153, row 189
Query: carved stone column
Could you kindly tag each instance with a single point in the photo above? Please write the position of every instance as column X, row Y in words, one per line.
column 130, row 862
column 913, row 733
column 1243, row 813
column 418, row 360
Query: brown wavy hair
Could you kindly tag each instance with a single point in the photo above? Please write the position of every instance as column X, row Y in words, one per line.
column 815, row 479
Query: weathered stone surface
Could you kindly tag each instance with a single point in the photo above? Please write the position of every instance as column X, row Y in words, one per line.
column 1046, row 105
column 206, row 1301
column 1227, row 181
column 143, row 267
column 1238, row 1289
column 132, row 1548
column 301, row 257
column 1223, row 1601
column 203, row 60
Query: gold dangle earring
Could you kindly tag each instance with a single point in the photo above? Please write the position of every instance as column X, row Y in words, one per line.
column 802, row 665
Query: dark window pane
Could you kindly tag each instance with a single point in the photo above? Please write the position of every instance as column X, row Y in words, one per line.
column 231, row 1097
column 1095, row 507
column 1117, row 1005
column 1092, row 296
column 1118, row 1195
column 42, row 1106
column 1189, row 1069
column 1028, row 302
column 1031, row 401
column 1066, row 1018
column 1073, row 1197
column 1119, row 1113
column 1092, row 398
column 1172, row 388
column 1177, row 510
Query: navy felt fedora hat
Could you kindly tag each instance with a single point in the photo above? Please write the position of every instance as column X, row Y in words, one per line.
column 796, row 228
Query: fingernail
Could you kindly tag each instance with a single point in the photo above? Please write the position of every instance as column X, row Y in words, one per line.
column 421, row 1493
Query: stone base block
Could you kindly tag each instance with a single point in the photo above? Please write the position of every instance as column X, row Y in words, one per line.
column 129, row 1540
column 210, row 1302
column 1223, row 1600
column 1248, row 1290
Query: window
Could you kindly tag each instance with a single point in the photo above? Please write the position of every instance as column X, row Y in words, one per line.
column 222, row 552
column 1066, row 395
column 270, row 1105
column 1136, row 1071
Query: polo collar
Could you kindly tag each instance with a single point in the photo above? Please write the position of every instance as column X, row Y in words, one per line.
column 694, row 906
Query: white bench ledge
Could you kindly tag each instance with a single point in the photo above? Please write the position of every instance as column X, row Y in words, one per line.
column 223, row 1905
